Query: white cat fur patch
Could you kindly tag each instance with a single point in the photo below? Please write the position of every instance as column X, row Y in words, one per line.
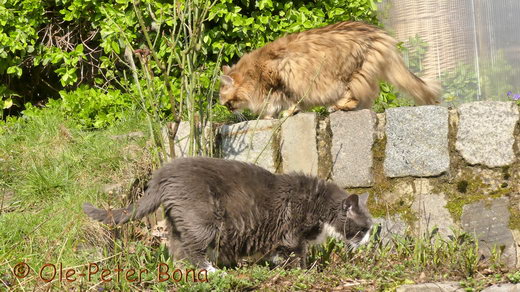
column 326, row 231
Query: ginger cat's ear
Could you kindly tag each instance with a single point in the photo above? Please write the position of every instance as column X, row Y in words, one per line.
column 225, row 69
column 226, row 80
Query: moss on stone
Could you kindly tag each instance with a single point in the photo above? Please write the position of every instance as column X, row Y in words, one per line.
column 324, row 144
column 462, row 186
column 382, row 184
column 378, row 152
column 514, row 210
column 505, row 173
column 468, row 189
column 402, row 208
column 514, row 220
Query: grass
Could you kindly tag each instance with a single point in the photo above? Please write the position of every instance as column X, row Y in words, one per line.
column 48, row 169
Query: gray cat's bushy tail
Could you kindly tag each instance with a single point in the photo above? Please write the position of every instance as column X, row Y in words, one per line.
column 423, row 91
column 148, row 203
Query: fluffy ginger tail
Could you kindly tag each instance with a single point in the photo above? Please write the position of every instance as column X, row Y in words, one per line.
column 424, row 91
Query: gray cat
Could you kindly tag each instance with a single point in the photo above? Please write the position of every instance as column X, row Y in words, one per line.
column 221, row 210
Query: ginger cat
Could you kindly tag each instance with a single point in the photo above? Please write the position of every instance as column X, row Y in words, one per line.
column 339, row 66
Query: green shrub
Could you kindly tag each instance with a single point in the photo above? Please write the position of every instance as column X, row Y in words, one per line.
column 460, row 85
column 498, row 77
column 95, row 108
column 236, row 27
column 88, row 107
column 414, row 51
column 71, row 42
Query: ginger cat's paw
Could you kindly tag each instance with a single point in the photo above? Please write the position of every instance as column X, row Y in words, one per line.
column 332, row 109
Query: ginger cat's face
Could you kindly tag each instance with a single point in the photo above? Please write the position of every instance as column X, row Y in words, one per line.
column 233, row 91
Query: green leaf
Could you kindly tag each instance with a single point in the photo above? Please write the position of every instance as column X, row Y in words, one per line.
column 8, row 103
column 79, row 48
column 115, row 47
column 14, row 70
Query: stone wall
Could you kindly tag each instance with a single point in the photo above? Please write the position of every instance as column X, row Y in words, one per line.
column 425, row 167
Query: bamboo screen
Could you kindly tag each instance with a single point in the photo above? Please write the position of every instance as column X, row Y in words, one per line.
column 482, row 34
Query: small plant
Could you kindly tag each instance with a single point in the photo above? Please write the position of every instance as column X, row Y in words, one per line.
column 514, row 277
column 496, row 257
column 498, row 76
column 389, row 98
column 515, row 97
column 414, row 51
column 323, row 254
column 460, row 85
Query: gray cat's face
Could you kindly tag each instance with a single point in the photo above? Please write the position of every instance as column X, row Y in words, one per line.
column 353, row 223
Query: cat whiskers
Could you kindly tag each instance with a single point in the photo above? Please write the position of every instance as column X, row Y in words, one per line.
column 240, row 116
column 351, row 244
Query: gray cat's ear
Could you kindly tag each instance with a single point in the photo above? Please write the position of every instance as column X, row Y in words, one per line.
column 363, row 199
column 226, row 80
column 348, row 203
column 226, row 69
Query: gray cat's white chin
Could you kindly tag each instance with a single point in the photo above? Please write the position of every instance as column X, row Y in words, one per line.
column 366, row 238
column 326, row 231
